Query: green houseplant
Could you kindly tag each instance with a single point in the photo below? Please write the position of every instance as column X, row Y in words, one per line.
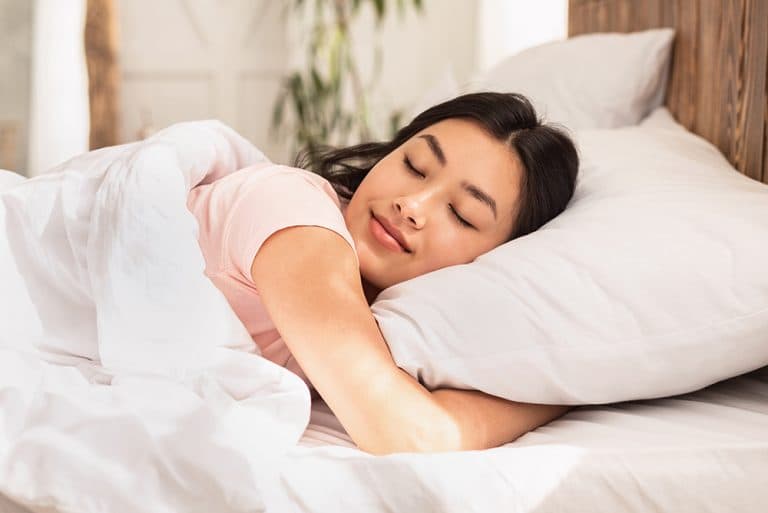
column 326, row 102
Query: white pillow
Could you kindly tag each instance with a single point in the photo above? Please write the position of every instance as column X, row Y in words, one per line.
column 653, row 282
column 590, row 81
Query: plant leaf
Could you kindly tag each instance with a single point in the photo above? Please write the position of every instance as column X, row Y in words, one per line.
column 381, row 8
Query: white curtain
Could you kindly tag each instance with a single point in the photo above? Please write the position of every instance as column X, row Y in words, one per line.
column 506, row 27
column 59, row 111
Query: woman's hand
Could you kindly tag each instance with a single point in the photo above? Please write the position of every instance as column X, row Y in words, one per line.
column 310, row 284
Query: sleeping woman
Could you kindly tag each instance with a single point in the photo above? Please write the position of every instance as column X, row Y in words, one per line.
column 301, row 255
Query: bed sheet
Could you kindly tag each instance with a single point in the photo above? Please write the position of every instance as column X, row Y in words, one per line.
column 700, row 452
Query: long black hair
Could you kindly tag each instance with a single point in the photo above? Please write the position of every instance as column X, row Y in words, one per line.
column 547, row 153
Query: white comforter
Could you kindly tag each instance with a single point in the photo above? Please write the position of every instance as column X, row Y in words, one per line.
column 122, row 387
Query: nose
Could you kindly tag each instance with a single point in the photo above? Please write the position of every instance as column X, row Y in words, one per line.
column 412, row 210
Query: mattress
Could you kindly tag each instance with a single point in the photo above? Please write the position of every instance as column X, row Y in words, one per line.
column 701, row 452
column 698, row 452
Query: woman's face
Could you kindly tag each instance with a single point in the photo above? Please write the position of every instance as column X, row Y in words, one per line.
column 444, row 197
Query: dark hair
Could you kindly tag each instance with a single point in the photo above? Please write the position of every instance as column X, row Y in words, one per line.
column 548, row 155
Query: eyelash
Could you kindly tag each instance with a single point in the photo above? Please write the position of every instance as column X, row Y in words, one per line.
column 418, row 173
column 412, row 169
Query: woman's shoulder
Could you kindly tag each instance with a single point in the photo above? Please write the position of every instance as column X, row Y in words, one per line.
column 279, row 179
column 241, row 210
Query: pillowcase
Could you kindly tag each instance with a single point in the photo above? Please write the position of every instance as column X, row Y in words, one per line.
column 651, row 283
column 603, row 80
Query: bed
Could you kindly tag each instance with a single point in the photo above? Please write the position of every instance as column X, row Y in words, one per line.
column 700, row 451
column 705, row 451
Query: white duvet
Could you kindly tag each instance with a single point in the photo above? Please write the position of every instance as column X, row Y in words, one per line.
column 121, row 385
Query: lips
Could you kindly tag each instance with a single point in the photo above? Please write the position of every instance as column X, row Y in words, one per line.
column 388, row 235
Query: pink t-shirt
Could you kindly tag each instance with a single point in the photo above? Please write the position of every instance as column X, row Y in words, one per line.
column 236, row 214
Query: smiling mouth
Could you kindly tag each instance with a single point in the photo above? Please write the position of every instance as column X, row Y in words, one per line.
column 385, row 238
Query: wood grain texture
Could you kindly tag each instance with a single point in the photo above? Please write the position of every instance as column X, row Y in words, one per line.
column 101, row 47
column 753, row 122
column 765, row 131
column 718, row 86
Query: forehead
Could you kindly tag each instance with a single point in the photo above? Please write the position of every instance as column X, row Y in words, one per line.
column 472, row 154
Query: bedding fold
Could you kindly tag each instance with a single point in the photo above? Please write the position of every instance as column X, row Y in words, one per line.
column 125, row 378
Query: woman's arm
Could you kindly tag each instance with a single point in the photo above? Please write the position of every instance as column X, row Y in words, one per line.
column 310, row 284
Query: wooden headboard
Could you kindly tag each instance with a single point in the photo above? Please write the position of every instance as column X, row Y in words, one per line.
column 719, row 71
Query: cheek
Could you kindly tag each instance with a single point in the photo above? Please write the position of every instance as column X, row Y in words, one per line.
column 357, row 209
column 447, row 247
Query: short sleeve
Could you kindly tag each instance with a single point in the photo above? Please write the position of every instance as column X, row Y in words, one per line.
column 272, row 200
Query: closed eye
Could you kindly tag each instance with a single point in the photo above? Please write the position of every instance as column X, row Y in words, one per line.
column 411, row 168
column 460, row 219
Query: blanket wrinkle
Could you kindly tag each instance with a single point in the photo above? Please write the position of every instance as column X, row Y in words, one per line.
column 124, row 375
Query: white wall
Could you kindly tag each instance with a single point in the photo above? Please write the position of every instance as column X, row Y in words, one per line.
column 428, row 56
column 163, row 74
column 193, row 60
column 420, row 52
column 505, row 27
column 202, row 59
column 59, row 119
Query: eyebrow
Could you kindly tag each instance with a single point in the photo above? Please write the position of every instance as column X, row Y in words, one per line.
column 474, row 190
column 480, row 195
column 434, row 145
